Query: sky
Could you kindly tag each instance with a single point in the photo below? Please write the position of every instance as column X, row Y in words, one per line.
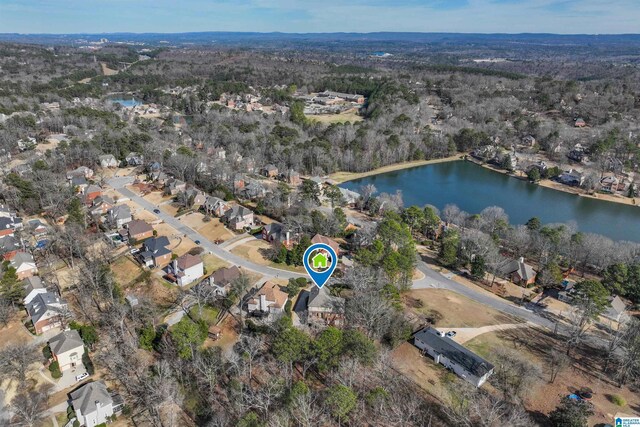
column 317, row 16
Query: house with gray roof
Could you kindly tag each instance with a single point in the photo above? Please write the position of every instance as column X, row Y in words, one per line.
column 47, row 311
column 215, row 206
column 453, row 356
column 238, row 217
column 324, row 309
column 92, row 404
column 67, row 349
column 119, row 215
column 519, row 272
column 32, row 286
column 108, row 161
column 616, row 310
column 154, row 252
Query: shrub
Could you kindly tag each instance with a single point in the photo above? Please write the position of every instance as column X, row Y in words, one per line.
column 86, row 360
column 46, row 352
column 54, row 368
column 618, row 400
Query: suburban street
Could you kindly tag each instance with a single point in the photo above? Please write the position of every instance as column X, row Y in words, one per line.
column 206, row 244
column 432, row 279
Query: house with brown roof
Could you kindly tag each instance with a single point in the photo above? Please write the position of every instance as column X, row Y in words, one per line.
column 270, row 171
column 222, row 278
column 238, row 217
column 185, row 269
column 269, row 299
column 318, row 238
column 139, row 230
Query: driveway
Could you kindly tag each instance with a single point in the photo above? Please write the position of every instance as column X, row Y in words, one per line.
column 208, row 245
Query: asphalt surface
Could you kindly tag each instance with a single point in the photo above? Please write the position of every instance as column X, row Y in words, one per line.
column 205, row 243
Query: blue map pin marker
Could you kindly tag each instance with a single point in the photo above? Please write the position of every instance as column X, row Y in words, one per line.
column 320, row 261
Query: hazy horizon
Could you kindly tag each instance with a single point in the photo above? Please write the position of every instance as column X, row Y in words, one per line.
column 563, row 17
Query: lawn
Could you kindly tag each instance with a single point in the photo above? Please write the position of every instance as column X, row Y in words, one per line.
column 430, row 376
column 15, row 332
column 209, row 314
column 453, row 310
column 254, row 251
column 214, row 230
column 213, row 263
column 125, row 270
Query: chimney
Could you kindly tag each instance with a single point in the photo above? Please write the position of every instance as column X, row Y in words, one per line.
column 263, row 303
column 175, row 265
column 287, row 237
column 521, row 260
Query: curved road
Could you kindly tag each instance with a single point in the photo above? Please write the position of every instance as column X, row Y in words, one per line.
column 432, row 279
column 206, row 243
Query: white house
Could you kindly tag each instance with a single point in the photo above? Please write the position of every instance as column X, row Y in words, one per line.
column 92, row 404
column 32, row 286
column 444, row 350
column 186, row 269
column 67, row 349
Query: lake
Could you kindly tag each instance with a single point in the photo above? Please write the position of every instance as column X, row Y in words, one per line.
column 126, row 101
column 473, row 188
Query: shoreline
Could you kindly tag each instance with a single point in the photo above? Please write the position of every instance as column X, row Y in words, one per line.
column 553, row 185
column 342, row 177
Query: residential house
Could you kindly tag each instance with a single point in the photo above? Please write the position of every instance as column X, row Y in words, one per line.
column 616, row 310
column 119, row 215
column 238, row 182
column 80, row 171
column 6, row 211
column 324, row 309
column 350, row 197
column 9, row 247
column 134, row 159
column 529, row 141
column 215, row 206
column 67, row 349
column 318, row 238
column 580, row 123
column 160, row 178
column 139, row 230
column 238, row 217
column 254, row 190
column 8, row 226
column 270, row 171
column 519, row 272
column 609, row 184
column 196, row 197
column 24, row 264
column 32, row 286
column 444, row 350
column 91, row 192
column 269, row 299
column 293, row 177
column 222, row 278
column 47, row 311
column 577, row 153
column 186, row 269
column 173, row 186
column 276, row 233
column 108, row 161
column 101, row 205
column 92, row 404
column 79, row 182
column 154, row 252
column 572, row 177
column 317, row 181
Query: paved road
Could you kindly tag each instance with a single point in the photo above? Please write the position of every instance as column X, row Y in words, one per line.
column 206, row 243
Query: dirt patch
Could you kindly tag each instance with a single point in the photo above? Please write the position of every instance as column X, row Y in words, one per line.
column 106, row 70
column 350, row 115
column 229, row 334
column 15, row 332
column 428, row 375
column 450, row 309
column 159, row 292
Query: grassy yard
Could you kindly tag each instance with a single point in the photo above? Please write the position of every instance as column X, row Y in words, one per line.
column 209, row 314
column 453, row 310
column 213, row 263
column 125, row 270
column 346, row 116
column 254, row 251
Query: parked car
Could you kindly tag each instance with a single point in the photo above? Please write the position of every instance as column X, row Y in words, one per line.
column 82, row 376
column 197, row 242
column 134, row 251
column 451, row 334
column 156, row 211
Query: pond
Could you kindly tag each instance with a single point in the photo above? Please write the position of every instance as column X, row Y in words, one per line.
column 125, row 101
column 473, row 188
